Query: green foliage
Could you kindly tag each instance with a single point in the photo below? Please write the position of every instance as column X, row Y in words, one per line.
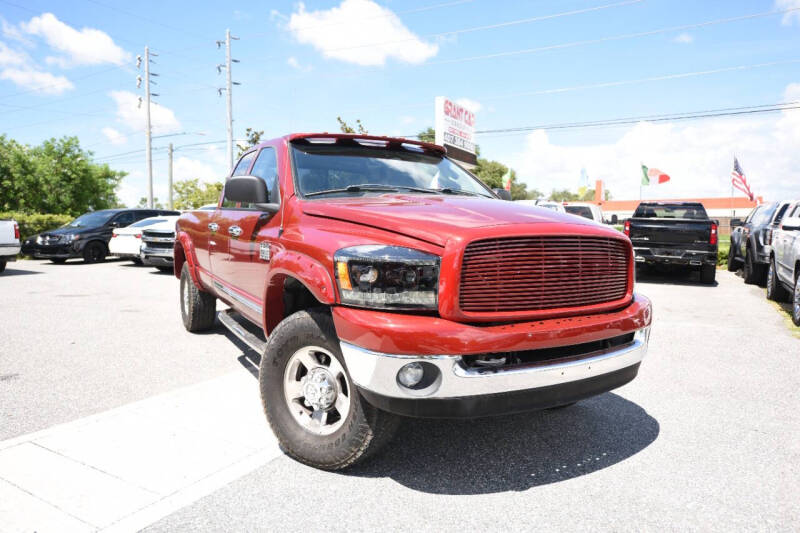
column 253, row 138
column 191, row 194
column 491, row 173
column 428, row 135
column 32, row 224
column 55, row 177
column 346, row 128
column 565, row 195
column 143, row 203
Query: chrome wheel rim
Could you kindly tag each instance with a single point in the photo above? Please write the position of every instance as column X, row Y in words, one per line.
column 186, row 296
column 797, row 299
column 317, row 390
column 770, row 278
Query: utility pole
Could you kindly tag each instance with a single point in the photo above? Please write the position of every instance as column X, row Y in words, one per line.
column 148, row 128
column 169, row 176
column 228, row 89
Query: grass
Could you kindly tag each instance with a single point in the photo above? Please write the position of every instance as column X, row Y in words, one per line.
column 785, row 310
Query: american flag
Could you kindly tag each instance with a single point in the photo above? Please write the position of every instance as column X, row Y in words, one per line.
column 739, row 180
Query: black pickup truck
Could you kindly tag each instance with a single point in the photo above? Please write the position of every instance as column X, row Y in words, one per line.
column 674, row 233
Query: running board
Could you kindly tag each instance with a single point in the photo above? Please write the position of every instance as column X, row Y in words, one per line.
column 228, row 319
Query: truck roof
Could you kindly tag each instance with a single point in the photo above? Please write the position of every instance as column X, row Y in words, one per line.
column 336, row 137
column 688, row 204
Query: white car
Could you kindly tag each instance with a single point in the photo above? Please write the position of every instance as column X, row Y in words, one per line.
column 158, row 241
column 585, row 210
column 9, row 242
column 127, row 242
column 547, row 204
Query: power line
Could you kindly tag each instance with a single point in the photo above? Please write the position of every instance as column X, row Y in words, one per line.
column 612, row 37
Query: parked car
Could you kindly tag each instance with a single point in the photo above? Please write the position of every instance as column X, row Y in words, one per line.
column 9, row 242
column 158, row 242
column 585, row 210
column 674, row 233
column 127, row 242
column 87, row 236
column 783, row 276
column 389, row 281
column 749, row 238
column 546, row 204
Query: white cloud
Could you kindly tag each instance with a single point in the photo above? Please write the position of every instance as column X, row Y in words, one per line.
column 407, row 120
column 340, row 33
column 472, row 105
column 114, row 137
column 187, row 168
column 295, row 64
column 792, row 15
column 14, row 33
column 162, row 118
column 698, row 157
column 683, row 38
column 37, row 80
column 9, row 57
column 88, row 46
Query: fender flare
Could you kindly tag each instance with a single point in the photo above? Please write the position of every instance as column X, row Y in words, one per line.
column 184, row 248
column 308, row 271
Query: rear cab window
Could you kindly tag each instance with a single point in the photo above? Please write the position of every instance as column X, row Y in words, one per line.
column 684, row 211
column 580, row 210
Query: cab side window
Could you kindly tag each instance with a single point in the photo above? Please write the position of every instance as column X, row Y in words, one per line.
column 266, row 168
column 124, row 219
column 240, row 170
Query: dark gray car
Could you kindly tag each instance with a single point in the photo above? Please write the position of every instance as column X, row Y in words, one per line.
column 749, row 238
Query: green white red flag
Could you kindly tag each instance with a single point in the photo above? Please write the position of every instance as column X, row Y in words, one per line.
column 653, row 173
column 507, row 180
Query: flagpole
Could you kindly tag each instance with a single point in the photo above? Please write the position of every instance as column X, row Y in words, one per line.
column 732, row 211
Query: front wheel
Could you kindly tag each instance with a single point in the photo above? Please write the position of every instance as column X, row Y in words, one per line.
column 2, row 265
column 198, row 308
column 775, row 290
column 95, row 252
column 796, row 302
column 733, row 264
column 314, row 409
column 708, row 274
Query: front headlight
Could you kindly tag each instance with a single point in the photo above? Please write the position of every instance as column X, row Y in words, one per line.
column 387, row 277
column 71, row 237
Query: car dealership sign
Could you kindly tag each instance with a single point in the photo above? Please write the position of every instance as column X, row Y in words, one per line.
column 455, row 130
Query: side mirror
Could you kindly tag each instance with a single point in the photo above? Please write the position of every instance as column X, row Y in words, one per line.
column 114, row 224
column 736, row 222
column 249, row 190
column 791, row 224
column 503, row 194
column 614, row 219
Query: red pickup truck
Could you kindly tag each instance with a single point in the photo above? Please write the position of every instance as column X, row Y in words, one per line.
column 378, row 278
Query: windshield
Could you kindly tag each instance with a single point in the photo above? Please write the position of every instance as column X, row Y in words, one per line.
column 91, row 220
column 580, row 210
column 328, row 169
column 671, row 211
column 147, row 222
column 763, row 215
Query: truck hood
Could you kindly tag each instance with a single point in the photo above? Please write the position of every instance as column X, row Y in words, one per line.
column 433, row 218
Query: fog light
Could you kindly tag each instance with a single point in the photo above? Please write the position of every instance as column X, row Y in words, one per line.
column 411, row 374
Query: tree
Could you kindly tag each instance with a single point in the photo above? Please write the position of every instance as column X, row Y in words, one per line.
column 346, row 128
column 143, row 203
column 492, row 172
column 191, row 194
column 565, row 195
column 55, row 177
column 428, row 135
column 253, row 137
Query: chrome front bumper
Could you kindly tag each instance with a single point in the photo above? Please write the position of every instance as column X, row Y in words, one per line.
column 376, row 372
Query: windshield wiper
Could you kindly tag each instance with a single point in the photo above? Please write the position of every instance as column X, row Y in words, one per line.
column 371, row 187
column 448, row 190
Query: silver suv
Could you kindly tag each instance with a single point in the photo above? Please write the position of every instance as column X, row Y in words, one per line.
column 783, row 277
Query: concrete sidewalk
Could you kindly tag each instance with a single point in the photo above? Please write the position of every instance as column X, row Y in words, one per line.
column 128, row 467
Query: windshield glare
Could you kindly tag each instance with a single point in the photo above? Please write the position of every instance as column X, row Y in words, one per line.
column 147, row 222
column 332, row 168
column 91, row 220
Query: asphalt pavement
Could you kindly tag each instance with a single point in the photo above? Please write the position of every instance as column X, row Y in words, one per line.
column 706, row 438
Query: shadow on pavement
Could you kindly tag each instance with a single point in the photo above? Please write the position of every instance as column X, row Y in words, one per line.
column 17, row 272
column 671, row 276
column 513, row 452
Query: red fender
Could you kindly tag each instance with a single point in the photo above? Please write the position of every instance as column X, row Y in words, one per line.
column 303, row 268
column 183, row 251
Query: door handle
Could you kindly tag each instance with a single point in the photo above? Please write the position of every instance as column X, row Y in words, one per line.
column 213, row 226
column 235, row 231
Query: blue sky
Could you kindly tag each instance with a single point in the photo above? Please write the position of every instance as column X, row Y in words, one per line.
column 68, row 68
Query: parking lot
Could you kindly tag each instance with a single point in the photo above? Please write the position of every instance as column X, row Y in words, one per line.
column 113, row 416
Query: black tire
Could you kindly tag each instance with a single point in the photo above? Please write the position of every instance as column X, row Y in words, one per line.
column 59, row 261
column 775, row 290
column 733, row 263
column 361, row 432
column 749, row 275
column 94, row 252
column 2, row 265
column 796, row 301
column 708, row 274
column 137, row 261
column 198, row 308
column 165, row 268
